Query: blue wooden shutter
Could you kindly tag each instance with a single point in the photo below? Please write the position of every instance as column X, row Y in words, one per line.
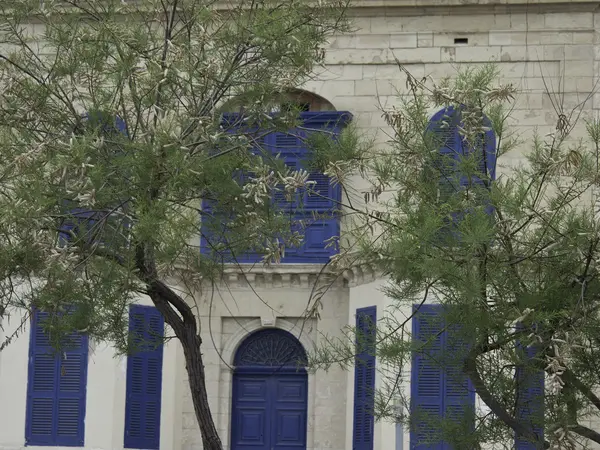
column 144, row 378
column 56, row 391
column 215, row 236
column 452, row 147
column 530, row 397
column 440, row 391
column 427, row 384
column 458, row 393
column 364, row 379
column 315, row 215
column 314, row 208
column 445, row 124
column 444, row 127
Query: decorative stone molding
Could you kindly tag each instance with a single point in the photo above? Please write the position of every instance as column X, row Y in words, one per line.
column 301, row 276
column 362, row 274
column 268, row 321
column 232, row 344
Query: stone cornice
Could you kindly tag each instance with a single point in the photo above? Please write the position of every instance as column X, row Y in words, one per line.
column 464, row 7
column 301, row 276
column 362, row 274
column 426, row 7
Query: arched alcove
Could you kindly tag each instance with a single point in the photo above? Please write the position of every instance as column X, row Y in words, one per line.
column 308, row 101
column 269, row 401
column 300, row 99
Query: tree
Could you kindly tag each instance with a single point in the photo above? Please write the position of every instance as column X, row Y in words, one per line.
column 112, row 137
column 511, row 260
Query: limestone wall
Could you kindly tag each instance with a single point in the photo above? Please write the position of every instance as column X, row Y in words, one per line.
column 548, row 49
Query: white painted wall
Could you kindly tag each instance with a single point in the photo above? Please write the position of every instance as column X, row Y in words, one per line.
column 362, row 296
column 105, row 397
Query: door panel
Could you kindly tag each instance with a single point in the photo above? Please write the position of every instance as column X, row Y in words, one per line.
column 249, row 424
column 269, row 412
column 289, row 412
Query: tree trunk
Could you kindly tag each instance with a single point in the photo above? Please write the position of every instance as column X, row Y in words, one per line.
column 195, row 369
column 180, row 317
column 186, row 332
column 165, row 301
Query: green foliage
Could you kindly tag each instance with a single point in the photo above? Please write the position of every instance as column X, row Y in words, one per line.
column 167, row 70
column 521, row 249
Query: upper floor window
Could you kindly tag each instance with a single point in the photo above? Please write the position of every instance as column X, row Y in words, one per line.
column 313, row 212
column 463, row 161
column 464, row 165
column 82, row 225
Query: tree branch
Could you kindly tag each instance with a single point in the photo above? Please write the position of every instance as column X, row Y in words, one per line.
column 586, row 432
column 569, row 377
column 470, row 368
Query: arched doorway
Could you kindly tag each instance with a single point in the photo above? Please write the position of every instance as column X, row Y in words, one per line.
column 269, row 393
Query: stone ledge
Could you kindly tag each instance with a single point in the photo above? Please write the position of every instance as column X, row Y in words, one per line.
column 301, row 276
column 367, row 8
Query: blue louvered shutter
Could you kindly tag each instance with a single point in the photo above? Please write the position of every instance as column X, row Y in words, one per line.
column 56, row 392
column 315, row 213
column 458, row 392
column 214, row 233
column 427, row 384
column 530, row 397
column 144, row 378
column 314, row 209
column 82, row 224
column 71, row 390
column 445, row 126
column 215, row 236
column 440, row 391
column 41, row 388
column 364, row 379
column 289, row 148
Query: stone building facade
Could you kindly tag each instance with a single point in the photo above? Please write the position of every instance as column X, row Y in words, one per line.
column 543, row 47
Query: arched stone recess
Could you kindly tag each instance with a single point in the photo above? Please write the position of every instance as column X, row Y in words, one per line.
column 232, row 344
column 303, row 100
column 228, row 354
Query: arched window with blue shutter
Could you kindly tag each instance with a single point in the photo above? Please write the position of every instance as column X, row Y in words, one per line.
column 440, row 390
column 314, row 212
column 144, row 378
column 56, row 388
column 445, row 127
column 364, row 379
column 446, row 124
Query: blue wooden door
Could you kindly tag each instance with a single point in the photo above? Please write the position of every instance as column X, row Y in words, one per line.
column 288, row 409
column 269, row 411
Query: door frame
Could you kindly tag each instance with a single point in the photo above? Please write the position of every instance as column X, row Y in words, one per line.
column 227, row 368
